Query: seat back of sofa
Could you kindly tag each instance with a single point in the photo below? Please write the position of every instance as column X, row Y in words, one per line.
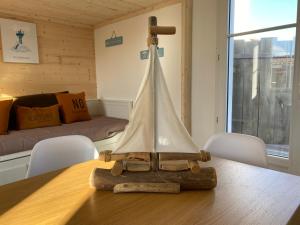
column 106, row 107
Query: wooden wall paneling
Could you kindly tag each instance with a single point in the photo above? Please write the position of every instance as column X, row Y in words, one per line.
column 66, row 42
column 67, row 62
column 80, row 13
column 127, row 15
column 186, row 64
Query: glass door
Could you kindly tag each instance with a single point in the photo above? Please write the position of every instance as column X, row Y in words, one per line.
column 261, row 40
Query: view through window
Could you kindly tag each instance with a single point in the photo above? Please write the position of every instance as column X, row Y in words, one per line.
column 261, row 40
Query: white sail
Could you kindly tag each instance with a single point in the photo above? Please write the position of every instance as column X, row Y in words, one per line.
column 153, row 124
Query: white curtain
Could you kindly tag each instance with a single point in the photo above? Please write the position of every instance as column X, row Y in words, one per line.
column 153, row 124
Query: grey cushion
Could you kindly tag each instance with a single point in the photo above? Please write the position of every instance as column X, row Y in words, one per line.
column 97, row 129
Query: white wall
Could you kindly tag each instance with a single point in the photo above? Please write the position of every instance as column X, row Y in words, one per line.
column 295, row 119
column 119, row 69
column 221, row 73
column 204, row 69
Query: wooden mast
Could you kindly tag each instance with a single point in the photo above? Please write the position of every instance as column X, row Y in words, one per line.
column 153, row 31
column 153, row 40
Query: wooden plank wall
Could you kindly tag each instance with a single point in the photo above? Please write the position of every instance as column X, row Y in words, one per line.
column 67, row 62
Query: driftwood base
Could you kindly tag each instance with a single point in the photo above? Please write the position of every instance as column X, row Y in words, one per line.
column 206, row 178
column 171, row 188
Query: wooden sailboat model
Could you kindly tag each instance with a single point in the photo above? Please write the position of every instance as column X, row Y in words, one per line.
column 155, row 153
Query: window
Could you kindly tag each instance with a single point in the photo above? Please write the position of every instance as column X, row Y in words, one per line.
column 261, row 42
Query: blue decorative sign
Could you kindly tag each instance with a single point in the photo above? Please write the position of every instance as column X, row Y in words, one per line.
column 114, row 41
column 145, row 53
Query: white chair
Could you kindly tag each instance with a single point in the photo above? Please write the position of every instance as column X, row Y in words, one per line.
column 60, row 152
column 238, row 147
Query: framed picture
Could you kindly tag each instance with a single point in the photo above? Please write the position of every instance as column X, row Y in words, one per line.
column 19, row 41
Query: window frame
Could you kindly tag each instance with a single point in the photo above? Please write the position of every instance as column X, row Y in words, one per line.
column 294, row 151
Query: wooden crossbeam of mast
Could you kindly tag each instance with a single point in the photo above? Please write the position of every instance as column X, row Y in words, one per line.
column 154, row 30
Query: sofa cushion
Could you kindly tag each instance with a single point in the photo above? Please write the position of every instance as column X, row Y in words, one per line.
column 73, row 107
column 39, row 100
column 5, row 106
column 34, row 117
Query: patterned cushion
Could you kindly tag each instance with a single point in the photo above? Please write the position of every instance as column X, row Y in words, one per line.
column 73, row 107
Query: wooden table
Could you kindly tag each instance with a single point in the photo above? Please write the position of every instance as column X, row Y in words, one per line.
column 245, row 195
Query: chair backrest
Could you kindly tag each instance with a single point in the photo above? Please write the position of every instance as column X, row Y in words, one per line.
column 238, row 147
column 60, row 152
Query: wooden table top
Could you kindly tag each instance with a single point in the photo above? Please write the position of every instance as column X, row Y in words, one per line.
column 245, row 195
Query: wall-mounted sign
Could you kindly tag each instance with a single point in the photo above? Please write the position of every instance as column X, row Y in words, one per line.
column 19, row 41
column 145, row 53
column 114, row 40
